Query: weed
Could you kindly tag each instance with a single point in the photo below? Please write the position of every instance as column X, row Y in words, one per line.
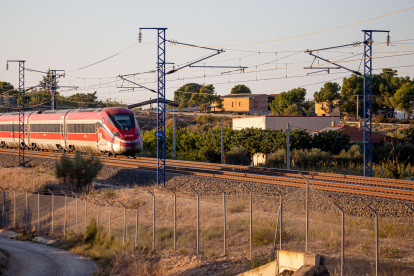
column 257, row 261
column 212, row 232
column 237, row 207
column 210, row 253
column 264, row 236
column 183, row 251
column 389, row 252
column 333, row 245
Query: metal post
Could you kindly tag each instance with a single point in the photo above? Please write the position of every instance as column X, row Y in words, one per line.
column 174, row 137
column 136, row 226
column 4, row 206
column 280, row 216
column 342, row 239
column 26, row 216
column 153, row 221
column 14, row 207
column 222, row 143
column 53, row 210
column 175, row 219
column 224, row 217
column 66, row 207
column 198, row 220
column 99, row 207
column 76, row 216
column 376, row 239
column 110, row 211
column 368, row 100
column 307, row 211
column 21, row 109
column 357, row 116
column 288, row 146
column 125, row 228
column 86, row 212
column 251, row 220
column 38, row 210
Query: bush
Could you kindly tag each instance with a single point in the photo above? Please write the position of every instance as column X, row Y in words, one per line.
column 78, row 173
column 354, row 155
column 409, row 135
column 207, row 118
column 278, row 159
column 313, row 157
column 237, row 156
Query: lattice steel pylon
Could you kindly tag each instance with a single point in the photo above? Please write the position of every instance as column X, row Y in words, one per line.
column 160, row 103
column 368, row 100
column 53, row 89
column 21, row 111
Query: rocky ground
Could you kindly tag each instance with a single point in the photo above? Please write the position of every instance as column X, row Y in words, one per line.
column 293, row 199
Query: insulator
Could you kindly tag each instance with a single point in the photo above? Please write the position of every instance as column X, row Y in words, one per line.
column 388, row 40
column 139, row 37
column 7, row 66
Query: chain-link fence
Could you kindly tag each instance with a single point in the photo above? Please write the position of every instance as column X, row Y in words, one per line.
column 247, row 223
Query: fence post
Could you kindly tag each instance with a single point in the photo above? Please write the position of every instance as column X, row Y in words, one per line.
column 343, row 238
column 53, row 211
column 224, row 216
column 307, row 211
column 26, row 216
column 153, row 221
column 376, row 239
column 4, row 205
column 281, row 221
column 198, row 220
column 86, row 211
column 76, row 216
column 136, row 225
column 65, row 221
column 99, row 207
column 251, row 220
column 14, row 208
column 124, row 232
column 175, row 219
column 110, row 211
column 38, row 210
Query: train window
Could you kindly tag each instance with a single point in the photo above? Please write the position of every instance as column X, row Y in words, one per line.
column 82, row 128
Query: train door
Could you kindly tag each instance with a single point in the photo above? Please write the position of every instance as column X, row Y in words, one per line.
column 62, row 132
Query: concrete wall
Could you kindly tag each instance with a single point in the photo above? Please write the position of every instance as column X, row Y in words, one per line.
column 250, row 104
column 257, row 122
column 311, row 123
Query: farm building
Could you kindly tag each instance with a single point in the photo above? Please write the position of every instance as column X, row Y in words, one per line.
column 249, row 104
column 311, row 123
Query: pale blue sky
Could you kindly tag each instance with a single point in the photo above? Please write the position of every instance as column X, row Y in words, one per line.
column 72, row 34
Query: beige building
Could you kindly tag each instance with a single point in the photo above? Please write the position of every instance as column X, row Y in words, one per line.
column 250, row 104
column 319, row 110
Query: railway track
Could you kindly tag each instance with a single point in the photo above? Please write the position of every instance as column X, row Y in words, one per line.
column 356, row 185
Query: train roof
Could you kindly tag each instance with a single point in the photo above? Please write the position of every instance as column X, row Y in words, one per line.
column 62, row 111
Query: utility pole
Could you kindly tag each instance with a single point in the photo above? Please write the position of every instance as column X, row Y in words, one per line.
column 368, row 99
column 174, row 135
column 357, row 107
column 222, row 144
column 21, row 109
column 160, row 102
column 53, row 89
column 288, row 146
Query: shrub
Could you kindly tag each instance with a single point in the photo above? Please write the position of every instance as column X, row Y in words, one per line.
column 354, row 155
column 409, row 135
column 237, row 156
column 311, row 157
column 237, row 207
column 264, row 236
column 278, row 159
column 78, row 173
column 389, row 252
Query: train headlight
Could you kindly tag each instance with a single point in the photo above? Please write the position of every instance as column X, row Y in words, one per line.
column 116, row 134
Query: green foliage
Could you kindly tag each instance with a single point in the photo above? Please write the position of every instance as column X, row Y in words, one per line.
column 240, row 89
column 78, row 173
column 354, row 155
column 278, row 159
column 196, row 95
column 285, row 99
column 352, row 88
column 403, row 99
column 237, row 156
column 311, row 157
column 389, row 252
column 207, row 119
column 292, row 110
column 328, row 94
column 236, row 207
column 264, row 235
column 409, row 135
column 325, row 140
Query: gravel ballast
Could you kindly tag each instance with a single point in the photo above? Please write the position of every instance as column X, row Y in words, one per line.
column 293, row 199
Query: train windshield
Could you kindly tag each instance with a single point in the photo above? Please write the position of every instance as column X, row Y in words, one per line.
column 125, row 120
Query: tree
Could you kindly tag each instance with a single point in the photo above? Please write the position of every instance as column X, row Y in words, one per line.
column 352, row 88
column 404, row 98
column 78, row 173
column 237, row 156
column 7, row 91
column 285, row 99
column 328, row 94
column 331, row 141
column 196, row 95
column 241, row 89
column 409, row 135
column 292, row 110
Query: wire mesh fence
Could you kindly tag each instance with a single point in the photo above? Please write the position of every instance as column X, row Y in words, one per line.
column 241, row 223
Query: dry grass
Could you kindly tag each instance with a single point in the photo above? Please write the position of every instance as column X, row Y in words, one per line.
column 29, row 178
